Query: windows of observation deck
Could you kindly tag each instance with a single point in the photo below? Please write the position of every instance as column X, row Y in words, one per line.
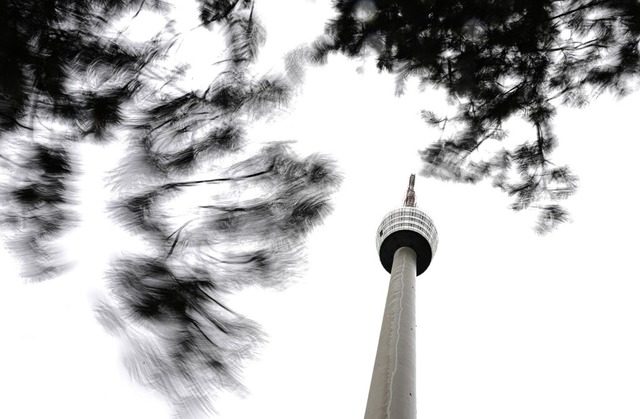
column 408, row 218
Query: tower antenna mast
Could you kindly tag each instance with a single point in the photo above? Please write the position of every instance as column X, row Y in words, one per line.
column 410, row 197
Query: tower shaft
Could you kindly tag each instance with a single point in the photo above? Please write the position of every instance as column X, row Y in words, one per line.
column 392, row 394
column 406, row 241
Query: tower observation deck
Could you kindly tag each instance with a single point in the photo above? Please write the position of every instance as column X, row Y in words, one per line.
column 407, row 226
column 406, row 242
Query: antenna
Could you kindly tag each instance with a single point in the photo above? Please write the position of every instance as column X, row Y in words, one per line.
column 410, row 198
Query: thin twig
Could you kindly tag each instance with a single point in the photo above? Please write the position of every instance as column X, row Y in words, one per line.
column 577, row 9
column 224, row 179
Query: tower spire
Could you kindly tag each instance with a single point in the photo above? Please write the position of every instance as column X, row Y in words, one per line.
column 410, row 198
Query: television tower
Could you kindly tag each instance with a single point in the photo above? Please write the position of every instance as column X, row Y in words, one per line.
column 406, row 241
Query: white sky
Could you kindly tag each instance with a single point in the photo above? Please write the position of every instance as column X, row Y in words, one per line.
column 510, row 324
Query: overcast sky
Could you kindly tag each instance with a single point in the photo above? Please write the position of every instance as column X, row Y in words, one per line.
column 510, row 324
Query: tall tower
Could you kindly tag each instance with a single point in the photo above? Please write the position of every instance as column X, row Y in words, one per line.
column 406, row 242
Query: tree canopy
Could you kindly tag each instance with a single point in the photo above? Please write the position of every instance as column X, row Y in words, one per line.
column 213, row 215
column 497, row 60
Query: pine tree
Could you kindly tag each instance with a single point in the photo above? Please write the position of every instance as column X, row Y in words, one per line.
column 214, row 213
column 497, row 60
column 51, row 53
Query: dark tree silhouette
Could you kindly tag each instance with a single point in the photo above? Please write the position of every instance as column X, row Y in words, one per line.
column 497, row 60
column 214, row 213
column 51, row 53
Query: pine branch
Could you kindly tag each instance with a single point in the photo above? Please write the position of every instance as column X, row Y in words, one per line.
column 577, row 9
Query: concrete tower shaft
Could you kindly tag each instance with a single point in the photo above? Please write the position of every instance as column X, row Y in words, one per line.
column 392, row 394
column 406, row 242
